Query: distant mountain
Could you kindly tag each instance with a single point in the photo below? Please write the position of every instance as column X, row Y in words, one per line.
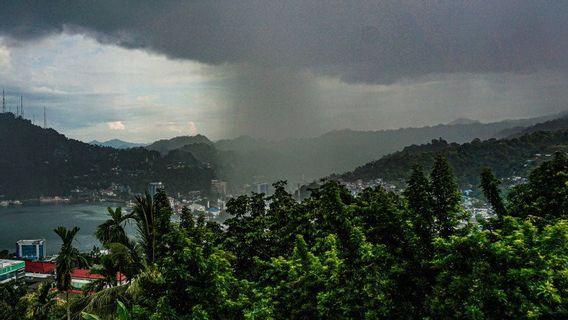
column 507, row 157
column 36, row 161
column 167, row 145
column 118, row 144
column 463, row 121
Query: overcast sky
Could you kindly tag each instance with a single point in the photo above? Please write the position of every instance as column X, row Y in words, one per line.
column 143, row 70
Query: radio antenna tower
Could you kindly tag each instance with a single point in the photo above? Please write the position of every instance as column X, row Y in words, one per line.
column 22, row 106
column 3, row 102
column 44, row 119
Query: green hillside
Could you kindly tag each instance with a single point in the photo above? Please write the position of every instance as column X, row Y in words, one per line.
column 507, row 157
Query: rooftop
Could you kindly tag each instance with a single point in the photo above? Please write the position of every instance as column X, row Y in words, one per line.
column 34, row 241
column 9, row 263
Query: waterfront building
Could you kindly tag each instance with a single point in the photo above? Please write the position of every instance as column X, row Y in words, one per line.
column 11, row 270
column 30, row 249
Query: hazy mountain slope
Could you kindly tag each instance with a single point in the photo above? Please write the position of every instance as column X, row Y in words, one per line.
column 519, row 128
column 552, row 125
column 36, row 161
column 463, row 121
column 118, row 144
column 203, row 152
column 167, row 145
column 506, row 157
column 338, row 151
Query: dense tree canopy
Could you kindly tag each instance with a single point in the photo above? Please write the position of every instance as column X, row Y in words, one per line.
column 377, row 255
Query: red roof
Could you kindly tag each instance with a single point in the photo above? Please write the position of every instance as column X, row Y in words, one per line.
column 86, row 274
column 40, row 267
column 49, row 267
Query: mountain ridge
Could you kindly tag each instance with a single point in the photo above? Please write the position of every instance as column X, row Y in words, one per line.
column 118, row 144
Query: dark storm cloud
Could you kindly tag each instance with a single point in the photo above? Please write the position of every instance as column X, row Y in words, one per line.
column 359, row 41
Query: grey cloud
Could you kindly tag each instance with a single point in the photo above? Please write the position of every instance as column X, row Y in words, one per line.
column 359, row 41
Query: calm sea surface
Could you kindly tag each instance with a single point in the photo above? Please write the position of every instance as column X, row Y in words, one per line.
column 38, row 222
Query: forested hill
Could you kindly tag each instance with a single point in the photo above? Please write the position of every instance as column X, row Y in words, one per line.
column 36, row 161
column 167, row 145
column 551, row 125
column 507, row 157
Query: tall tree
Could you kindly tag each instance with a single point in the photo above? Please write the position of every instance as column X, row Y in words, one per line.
column 490, row 186
column 446, row 197
column 68, row 259
column 419, row 197
column 186, row 219
column 163, row 212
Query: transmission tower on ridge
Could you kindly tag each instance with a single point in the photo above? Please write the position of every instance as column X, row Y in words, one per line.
column 3, row 102
column 44, row 118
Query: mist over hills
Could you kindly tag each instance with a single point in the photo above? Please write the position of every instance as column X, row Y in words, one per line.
column 245, row 159
column 463, row 121
column 42, row 162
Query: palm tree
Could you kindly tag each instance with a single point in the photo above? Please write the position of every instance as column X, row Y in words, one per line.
column 108, row 269
column 144, row 215
column 112, row 230
column 68, row 259
column 126, row 258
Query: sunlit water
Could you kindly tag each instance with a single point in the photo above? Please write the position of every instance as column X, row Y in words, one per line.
column 38, row 222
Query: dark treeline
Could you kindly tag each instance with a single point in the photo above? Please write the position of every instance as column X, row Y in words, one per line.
column 379, row 255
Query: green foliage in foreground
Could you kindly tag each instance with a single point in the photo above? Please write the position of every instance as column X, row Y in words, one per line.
column 334, row 256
